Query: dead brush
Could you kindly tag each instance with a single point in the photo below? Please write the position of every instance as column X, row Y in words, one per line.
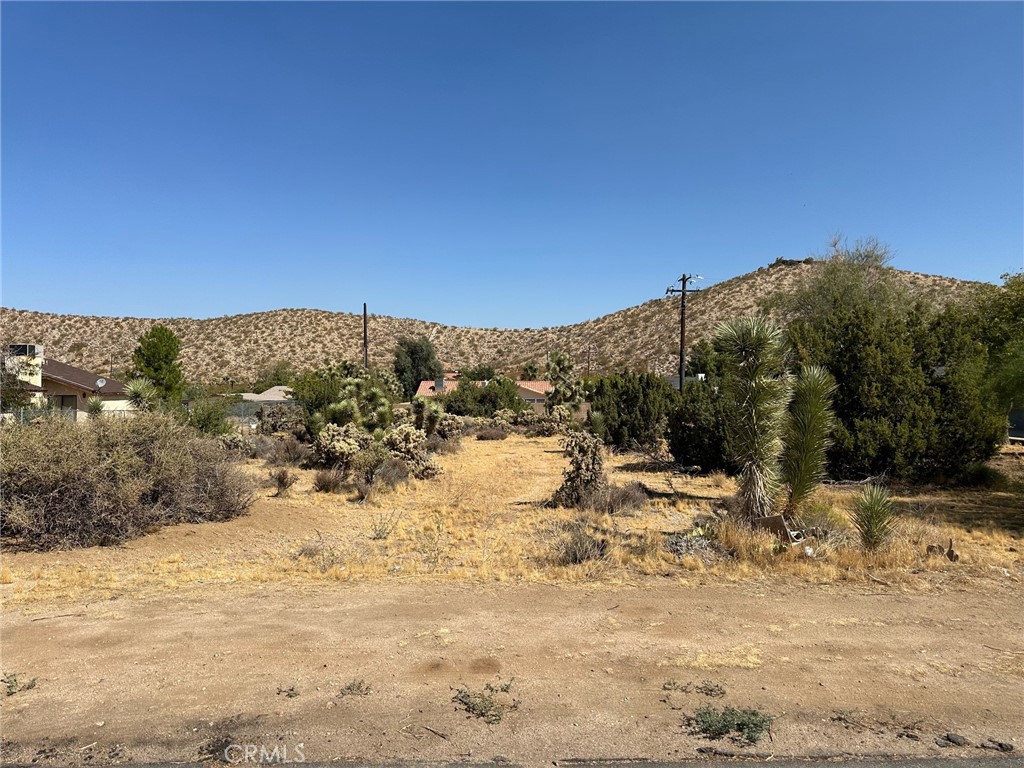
column 319, row 554
column 329, row 481
column 282, row 480
column 384, row 524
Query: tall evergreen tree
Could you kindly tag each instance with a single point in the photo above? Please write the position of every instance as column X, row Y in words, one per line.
column 156, row 359
column 415, row 361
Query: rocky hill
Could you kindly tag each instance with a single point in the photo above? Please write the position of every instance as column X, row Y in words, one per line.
column 645, row 336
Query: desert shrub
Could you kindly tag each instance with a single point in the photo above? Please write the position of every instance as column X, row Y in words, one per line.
column 278, row 418
column 283, row 479
column 580, row 541
column 874, row 517
column 329, row 481
column 449, row 428
column 697, row 427
column 110, row 480
column 616, row 499
column 981, row 475
column 470, row 399
column 631, row 409
column 584, row 477
column 336, row 446
column 749, row 725
column 495, row 432
column 435, row 444
column 142, row 394
column 208, row 415
column 828, row 526
column 504, row 417
column 289, row 450
column 376, row 469
column 914, row 397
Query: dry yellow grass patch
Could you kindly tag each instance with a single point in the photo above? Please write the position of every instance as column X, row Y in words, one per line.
column 485, row 520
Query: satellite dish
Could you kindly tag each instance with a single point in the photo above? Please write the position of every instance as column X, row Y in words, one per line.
column 100, row 383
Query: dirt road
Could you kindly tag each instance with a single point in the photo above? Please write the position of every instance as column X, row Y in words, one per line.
column 848, row 669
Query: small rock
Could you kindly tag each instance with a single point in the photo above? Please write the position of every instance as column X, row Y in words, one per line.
column 500, row 759
column 908, row 735
column 957, row 739
column 941, row 742
column 1000, row 746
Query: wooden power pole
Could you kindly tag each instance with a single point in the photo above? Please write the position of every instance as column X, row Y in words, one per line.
column 366, row 340
column 682, row 290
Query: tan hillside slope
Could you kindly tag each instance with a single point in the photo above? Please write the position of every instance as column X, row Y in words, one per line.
column 236, row 346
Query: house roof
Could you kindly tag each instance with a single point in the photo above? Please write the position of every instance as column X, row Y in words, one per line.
column 277, row 394
column 426, row 388
column 79, row 378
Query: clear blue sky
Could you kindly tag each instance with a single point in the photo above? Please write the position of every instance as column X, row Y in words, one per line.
column 493, row 164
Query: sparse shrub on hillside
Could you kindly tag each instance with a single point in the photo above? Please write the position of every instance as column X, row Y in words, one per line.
column 109, row 480
column 283, row 479
column 584, row 477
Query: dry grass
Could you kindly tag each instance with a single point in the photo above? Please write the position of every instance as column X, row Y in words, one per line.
column 466, row 526
column 644, row 336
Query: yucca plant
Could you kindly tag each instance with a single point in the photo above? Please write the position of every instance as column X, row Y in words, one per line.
column 759, row 388
column 874, row 517
column 808, row 433
column 141, row 393
column 95, row 406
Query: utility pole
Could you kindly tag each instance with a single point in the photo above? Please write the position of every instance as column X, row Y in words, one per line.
column 366, row 340
column 682, row 290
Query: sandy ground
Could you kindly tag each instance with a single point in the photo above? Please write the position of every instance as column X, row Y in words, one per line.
column 844, row 670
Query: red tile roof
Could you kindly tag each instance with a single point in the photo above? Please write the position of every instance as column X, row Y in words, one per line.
column 426, row 388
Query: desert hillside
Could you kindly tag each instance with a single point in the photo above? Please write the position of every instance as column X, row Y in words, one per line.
column 645, row 336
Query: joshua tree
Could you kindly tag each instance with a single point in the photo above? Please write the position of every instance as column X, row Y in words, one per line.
column 758, row 388
column 808, row 433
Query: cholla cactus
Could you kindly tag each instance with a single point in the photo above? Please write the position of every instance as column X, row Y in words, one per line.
column 449, row 427
column 585, row 475
column 504, row 417
column 278, row 418
column 527, row 418
column 336, row 446
column 237, row 443
column 405, row 442
column 561, row 414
